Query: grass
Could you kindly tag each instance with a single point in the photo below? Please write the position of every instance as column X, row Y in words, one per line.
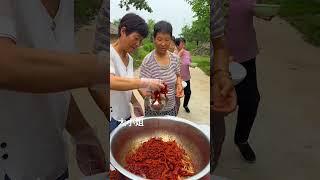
column 203, row 63
column 303, row 15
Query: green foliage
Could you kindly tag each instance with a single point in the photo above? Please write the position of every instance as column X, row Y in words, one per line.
column 303, row 15
column 138, row 4
column 148, row 46
column 116, row 22
column 191, row 45
column 138, row 56
column 203, row 63
column 199, row 31
column 85, row 10
column 151, row 24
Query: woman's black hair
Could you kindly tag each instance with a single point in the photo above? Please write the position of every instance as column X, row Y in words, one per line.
column 162, row 27
column 177, row 41
column 133, row 23
column 183, row 40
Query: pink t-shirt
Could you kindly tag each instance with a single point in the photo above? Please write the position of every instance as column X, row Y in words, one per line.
column 185, row 63
column 240, row 32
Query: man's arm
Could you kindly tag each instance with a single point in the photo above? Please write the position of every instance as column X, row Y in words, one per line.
column 42, row 71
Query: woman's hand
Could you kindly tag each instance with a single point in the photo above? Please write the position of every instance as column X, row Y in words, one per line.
column 179, row 91
column 151, row 84
column 179, row 87
column 180, row 53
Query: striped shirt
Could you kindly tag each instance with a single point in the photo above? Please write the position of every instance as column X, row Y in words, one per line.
column 102, row 38
column 150, row 68
column 217, row 24
column 217, row 19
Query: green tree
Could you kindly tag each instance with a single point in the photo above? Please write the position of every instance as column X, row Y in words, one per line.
column 85, row 10
column 116, row 22
column 138, row 4
column 151, row 24
column 199, row 31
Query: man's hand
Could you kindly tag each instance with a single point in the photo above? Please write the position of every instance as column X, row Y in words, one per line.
column 224, row 95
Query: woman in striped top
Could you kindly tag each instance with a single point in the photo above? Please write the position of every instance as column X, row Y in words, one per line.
column 162, row 64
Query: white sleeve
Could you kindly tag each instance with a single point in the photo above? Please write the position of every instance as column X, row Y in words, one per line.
column 112, row 68
column 7, row 19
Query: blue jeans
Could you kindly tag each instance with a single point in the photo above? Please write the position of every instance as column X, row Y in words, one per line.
column 114, row 123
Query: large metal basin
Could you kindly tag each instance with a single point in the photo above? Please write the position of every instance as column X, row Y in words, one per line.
column 187, row 134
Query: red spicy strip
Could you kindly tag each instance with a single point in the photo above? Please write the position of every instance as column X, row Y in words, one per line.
column 156, row 159
column 157, row 94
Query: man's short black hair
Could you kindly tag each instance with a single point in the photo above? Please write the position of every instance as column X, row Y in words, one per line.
column 162, row 27
column 133, row 23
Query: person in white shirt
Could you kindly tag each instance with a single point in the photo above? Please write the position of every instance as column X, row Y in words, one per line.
column 38, row 67
column 131, row 31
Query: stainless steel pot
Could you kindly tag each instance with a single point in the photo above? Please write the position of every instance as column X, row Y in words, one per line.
column 189, row 135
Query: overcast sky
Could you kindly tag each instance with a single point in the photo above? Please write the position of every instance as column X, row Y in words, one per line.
column 177, row 12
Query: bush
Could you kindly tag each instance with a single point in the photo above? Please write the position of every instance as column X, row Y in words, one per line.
column 303, row 15
column 138, row 56
column 191, row 46
column 148, row 47
column 85, row 10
